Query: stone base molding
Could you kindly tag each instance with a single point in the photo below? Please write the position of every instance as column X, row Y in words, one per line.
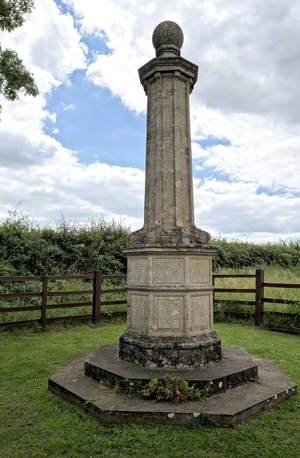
column 170, row 351
column 170, row 308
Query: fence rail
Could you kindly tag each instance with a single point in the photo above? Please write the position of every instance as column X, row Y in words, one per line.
column 95, row 303
column 259, row 299
column 97, row 296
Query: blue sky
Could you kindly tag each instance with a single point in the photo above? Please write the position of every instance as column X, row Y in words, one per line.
column 96, row 125
column 92, row 122
column 78, row 148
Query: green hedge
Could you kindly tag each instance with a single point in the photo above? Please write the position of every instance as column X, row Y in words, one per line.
column 239, row 255
column 28, row 249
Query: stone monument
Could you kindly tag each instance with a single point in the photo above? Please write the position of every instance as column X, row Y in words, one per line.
column 170, row 302
column 170, row 307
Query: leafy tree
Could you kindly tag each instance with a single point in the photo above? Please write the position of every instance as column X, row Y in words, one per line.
column 13, row 75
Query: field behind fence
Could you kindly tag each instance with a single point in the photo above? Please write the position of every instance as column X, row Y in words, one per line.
column 49, row 298
column 270, row 299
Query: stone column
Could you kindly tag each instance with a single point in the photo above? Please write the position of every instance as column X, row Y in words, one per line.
column 170, row 310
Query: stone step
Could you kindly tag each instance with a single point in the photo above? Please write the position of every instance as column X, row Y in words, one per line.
column 235, row 368
column 227, row 409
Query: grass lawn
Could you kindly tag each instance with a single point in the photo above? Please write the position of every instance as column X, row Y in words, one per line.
column 35, row 423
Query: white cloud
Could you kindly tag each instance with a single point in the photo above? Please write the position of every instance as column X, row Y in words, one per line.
column 61, row 185
column 247, row 51
column 69, row 107
column 37, row 174
column 235, row 209
column 262, row 151
column 48, row 43
column 247, row 93
column 50, row 47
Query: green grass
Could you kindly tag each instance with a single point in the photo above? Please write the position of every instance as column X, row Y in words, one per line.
column 35, row 423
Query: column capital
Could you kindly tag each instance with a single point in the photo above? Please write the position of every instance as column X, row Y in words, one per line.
column 160, row 65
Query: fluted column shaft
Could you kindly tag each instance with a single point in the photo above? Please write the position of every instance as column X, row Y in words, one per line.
column 169, row 205
column 169, row 187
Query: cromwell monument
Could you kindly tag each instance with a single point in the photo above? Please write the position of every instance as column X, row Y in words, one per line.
column 170, row 294
column 170, row 307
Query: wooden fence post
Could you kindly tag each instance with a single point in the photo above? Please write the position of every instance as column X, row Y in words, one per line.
column 97, row 296
column 259, row 296
column 44, row 300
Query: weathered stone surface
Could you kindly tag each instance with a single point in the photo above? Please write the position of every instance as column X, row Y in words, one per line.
column 180, row 267
column 236, row 368
column 226, row 409
column 170, row 295
column 170, row 309
column 170, row 351
column 167, row 39
column 169, row 292
column 178, row 237
column 169, row 259
column 168, row 81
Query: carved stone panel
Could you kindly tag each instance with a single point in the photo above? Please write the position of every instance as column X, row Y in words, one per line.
column 138, row 270
column 169, row 312
column 200, row 313
column 168, row 271
column 199, row 270
column 138, row 315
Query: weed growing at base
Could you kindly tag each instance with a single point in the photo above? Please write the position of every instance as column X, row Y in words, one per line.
column 172, row 389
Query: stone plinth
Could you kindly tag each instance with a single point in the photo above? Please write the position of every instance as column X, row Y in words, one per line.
column 236, row 368
column 228, row 408
column 170, row 309
column 170, row 293
column 170, row 313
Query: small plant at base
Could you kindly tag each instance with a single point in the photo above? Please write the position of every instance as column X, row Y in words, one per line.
column 172, row 389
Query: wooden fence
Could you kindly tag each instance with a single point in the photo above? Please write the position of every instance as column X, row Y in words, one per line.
column 97, row 292
column 258, row 301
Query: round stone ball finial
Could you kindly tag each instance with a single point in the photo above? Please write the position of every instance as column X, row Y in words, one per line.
column 167, row 39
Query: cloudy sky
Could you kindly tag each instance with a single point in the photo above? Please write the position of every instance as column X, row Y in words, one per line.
column 78, row 149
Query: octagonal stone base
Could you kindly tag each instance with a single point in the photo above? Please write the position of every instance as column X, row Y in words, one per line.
column 170, row 308
column 236, row 368
column 170, row 351
column 225, row 409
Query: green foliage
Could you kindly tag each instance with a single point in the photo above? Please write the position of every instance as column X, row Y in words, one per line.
column 13, row 75
column 172, row 389
column 12, row 13
column 28, row 249
column 239, row 255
